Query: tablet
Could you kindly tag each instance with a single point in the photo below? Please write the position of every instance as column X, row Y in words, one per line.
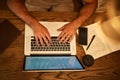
column 52, row 63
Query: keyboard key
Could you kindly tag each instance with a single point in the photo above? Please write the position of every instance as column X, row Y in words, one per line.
column 55, row 46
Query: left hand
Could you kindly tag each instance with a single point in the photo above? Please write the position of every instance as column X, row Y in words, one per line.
column 67, row 34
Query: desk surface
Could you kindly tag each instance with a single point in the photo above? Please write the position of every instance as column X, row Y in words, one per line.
column 11, row 60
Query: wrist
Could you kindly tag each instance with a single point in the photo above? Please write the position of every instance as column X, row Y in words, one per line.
column 77, row 23
column 32, row 23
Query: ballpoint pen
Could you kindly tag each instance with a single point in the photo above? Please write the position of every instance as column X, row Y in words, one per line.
column 90, row 42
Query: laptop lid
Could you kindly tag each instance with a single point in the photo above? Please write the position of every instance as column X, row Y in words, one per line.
column 52, row 63
column 52, row 28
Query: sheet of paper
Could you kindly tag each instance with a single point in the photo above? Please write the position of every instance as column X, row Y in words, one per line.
column 99, row 47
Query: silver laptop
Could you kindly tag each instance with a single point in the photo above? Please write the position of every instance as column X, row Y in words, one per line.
column 61, row 49
column 38, row 58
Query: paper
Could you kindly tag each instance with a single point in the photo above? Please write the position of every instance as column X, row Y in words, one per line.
column 101, row 45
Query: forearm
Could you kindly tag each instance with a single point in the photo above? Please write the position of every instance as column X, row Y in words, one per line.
column 85, row 13
column 18, row 7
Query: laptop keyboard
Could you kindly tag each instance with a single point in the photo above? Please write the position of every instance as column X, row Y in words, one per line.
column 55, row 46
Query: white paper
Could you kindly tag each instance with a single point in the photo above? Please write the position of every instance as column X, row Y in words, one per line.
column 101, row 44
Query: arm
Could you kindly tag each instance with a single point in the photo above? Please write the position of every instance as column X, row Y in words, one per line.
column 18, row 7
column 69, row 30
column 86, row 12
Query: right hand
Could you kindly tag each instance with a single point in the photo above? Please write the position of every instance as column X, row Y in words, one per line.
column 41, row 34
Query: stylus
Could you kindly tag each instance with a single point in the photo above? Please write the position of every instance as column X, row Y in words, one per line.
column 90, row 42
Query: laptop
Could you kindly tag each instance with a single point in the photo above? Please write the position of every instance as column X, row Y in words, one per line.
column 56, row 57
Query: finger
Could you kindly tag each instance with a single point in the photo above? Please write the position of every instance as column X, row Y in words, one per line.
column 36, row 38
column 62, row 38
column 46, row 40
column 60, row 29
column 66, row 39
column 70, row 38
column 41, row 41
column 60, row 35
column 49, row 38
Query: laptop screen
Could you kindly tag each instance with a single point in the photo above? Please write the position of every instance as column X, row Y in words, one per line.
column 52, row 63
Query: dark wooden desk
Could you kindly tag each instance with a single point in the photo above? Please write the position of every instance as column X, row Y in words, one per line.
column 11, row 60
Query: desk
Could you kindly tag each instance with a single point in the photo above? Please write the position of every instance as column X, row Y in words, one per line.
column 11, row 60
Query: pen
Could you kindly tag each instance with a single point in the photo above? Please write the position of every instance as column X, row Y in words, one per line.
column 90, row 42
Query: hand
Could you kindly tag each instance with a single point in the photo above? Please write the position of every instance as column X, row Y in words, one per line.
column 67, row 34
column 41, row 34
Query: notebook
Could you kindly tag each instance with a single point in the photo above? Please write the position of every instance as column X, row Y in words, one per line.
column 56, row 57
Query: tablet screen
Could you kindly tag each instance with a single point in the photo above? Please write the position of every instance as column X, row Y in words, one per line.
column 52, row 63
